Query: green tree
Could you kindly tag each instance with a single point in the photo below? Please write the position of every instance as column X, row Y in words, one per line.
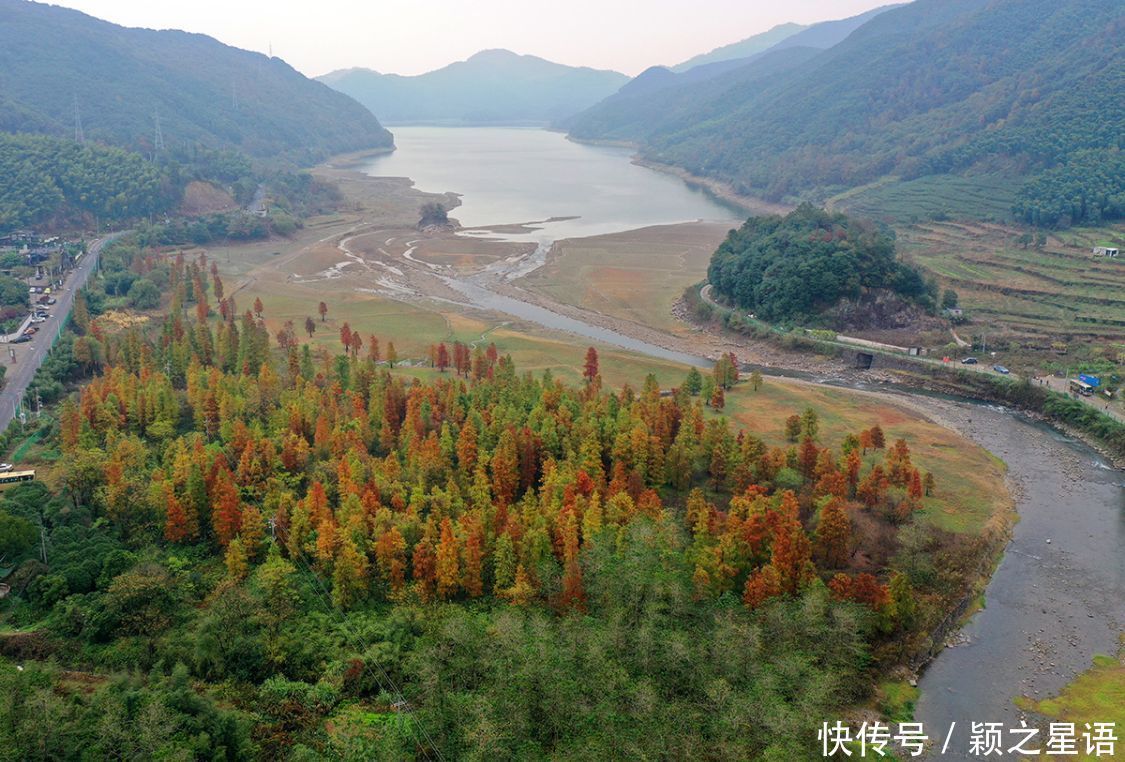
column 144, row 295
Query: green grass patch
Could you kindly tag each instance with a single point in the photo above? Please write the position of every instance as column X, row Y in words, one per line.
column 1096, row 695
column 897, row 699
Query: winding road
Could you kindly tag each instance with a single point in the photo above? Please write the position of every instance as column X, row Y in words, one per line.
column 30, row 355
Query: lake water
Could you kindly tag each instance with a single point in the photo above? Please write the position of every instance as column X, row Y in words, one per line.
column 511, row 175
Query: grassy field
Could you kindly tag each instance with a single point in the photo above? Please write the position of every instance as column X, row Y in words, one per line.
column 1058, row 291
column 987, row 196
column 970, row 480
column 1097, row 695
column 637, row 275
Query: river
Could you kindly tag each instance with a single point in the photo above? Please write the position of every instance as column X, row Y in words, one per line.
column 1058, row 596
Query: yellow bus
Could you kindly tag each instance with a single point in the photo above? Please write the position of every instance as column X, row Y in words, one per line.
column 15, row 477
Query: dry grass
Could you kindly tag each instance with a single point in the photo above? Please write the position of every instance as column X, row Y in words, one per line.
column 637, row 275
column 970, row 480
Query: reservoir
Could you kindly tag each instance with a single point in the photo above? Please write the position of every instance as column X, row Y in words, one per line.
column 511, row 175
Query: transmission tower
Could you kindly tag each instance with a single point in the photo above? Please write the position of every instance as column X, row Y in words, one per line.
column 79, row 135
column 158, row 142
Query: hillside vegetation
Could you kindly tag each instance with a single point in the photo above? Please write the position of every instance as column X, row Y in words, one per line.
column 201, row 90
column 799, row 266
column 58, row 184
column 491, row 87
column 933, row 87
column 43, row 178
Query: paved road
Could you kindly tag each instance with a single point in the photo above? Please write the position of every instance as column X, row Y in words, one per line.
column 983, row 367
column 1097, row 401
column 30, row 356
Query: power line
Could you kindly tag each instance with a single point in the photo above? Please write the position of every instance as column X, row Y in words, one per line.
column 357, row 643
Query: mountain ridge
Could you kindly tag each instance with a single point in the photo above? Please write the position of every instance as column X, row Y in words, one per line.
column 55, row 61
column 493, row 86
column 926, row 88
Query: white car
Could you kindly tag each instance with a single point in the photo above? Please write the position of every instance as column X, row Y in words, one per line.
column 6, row 467
column 38, row 319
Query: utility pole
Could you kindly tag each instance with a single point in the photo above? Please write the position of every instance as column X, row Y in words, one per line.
column 79, row 135
column 158, row 142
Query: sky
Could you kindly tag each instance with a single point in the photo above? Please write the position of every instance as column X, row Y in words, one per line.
column 415, row 36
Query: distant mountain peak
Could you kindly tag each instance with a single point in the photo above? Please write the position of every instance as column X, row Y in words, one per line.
column 495, row 54
column 492, row 86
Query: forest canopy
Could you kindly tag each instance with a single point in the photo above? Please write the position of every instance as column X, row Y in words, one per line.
column 794, row 268
column 43, row 177
column 300, row 554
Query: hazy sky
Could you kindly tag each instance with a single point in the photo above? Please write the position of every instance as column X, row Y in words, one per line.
column 414, row 36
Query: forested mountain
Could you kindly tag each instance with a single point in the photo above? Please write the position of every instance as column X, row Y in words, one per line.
column 491, row 87
column 758, row 43
column 936, row 86
column 122, row 80
column 821, row 35
column 629, row 117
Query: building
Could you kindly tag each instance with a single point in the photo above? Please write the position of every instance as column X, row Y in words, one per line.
column 1105, row 251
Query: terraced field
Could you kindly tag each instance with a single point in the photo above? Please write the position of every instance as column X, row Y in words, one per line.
column 1059, row 291
column 987, row 196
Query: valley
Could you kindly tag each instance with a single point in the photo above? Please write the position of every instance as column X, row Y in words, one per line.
column 629, row 282
column 752, row 407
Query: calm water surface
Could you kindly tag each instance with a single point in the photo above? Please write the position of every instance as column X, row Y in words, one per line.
column 511, row 175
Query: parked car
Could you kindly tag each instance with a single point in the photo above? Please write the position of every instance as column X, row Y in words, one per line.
column 1001, row 369
column 6, row 466
column 38, row 319
column 969, row 361
column 31, row 330
column 51, row 300
column 20, row 339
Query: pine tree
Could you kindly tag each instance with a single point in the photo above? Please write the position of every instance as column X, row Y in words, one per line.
column 522, row 592
column 573, row 594
column 226, row 512
column 390, row 555
column 473, row 563
column 833, row 534
column 448, row 566
column 236, row 561
column 793, row 428
column 590, row 367
column 349, row 575
column 504, row 564
column 763, row 584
